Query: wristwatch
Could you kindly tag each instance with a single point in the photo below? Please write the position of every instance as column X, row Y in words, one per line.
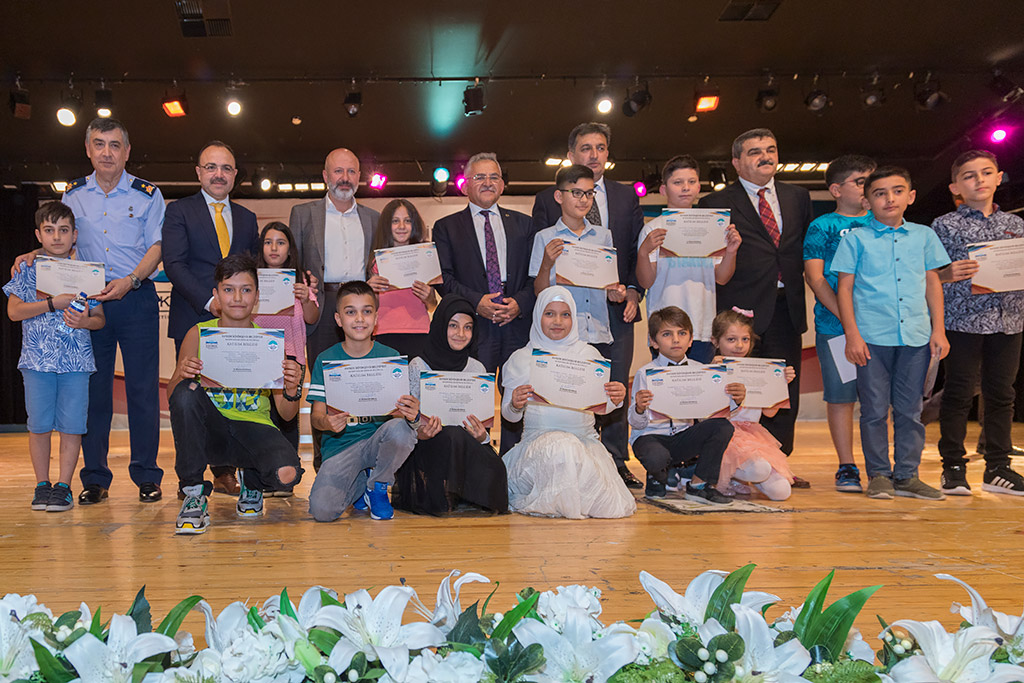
column 136, row 282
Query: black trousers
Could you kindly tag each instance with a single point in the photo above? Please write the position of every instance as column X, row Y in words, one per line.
column 496, row 344
column 995, row 358
column 705, row 441
column 614, row 426
column 214, row 470
column 782, row 340
column 203, row 436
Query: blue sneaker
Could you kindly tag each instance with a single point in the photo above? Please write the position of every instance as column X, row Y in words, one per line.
column 848, row 479
column 362, row 503
column 380, row 506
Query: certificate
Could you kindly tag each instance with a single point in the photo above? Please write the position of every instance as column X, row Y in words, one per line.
column 55, row 276
column 453, row 396
column 366, row 387
column 1000, row 266
column 688, row 392
column 584, row 265
column 242, row 357
column 570, row 382
column 403, row 266
column 847, row 370
column 277, row 293
column 694, row 232
column 764, row 378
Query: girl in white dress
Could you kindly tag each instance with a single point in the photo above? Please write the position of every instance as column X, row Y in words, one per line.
column 559, row 468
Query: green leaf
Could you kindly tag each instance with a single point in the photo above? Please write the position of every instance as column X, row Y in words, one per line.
column 685, row 650
column 513, row 616
column 255, row 620
column 75, row 635
column 67, row 619
column 328, row 599
column 464, row 647
column 140, row 670
column 833, row 627
column 783, row 638
column 483, row 610
column 373, row 674
column 728, row 593
column 812, row 608
column 516, row 661
column 286, row 605
column 324, row 640
column 51, row 669
column 730, row 643
column 467, row 629
column 140, row 612
column 308, row 655
column 170, row 624
column 726, row 672
column 95, row 627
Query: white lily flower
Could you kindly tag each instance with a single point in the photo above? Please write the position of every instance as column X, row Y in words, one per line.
column 691, row 607
column 227, row 627
column 1011, row 629
column 205, row 668
column 374, row 626
column 22, row 606
column 552, row 605
column 114, row 660
column 428, row 667
column 962, row 657
column 17, row 659
column 309, row 605
column 574, row 656
column 448, row 609
column 761, row 660
column 263, row 657
column 652, row 638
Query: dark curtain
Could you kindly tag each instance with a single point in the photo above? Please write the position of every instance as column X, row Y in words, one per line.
column 17, row 208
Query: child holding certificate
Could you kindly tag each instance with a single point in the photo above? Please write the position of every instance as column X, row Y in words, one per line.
column 686, row 282
column 457, row 465
column 360, row 454
column 403, row 319
column 984, row 331
column 753, row 456
column 56, row 360
column 560, row 468
column 225, row 425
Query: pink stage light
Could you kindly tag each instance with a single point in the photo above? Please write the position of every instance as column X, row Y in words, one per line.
column 998, row 135
column 460, row 182
column 640, row 189
column 378, row 181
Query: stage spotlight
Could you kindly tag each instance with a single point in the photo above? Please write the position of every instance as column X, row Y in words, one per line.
column 460, row 182
column 296, row 120
column 705, row 99
column 285, row 187
column 318, row 187
column 603, row 99
column 175, row 104
column 378, row 181
column 19, row 101
column 637, row 100
column 104, row 101
column 353, row 102
column 998, row 135
column 640, row 188
column 266, row 184
column 817, row 101
column 473, row 99
column 553, row 161
column 59, row 186
column 566, row 163
column 872, row 95
column 929, row 96
column 441, row 174
column 70, row 106
column 717, row 178
column 1005, row 89
column 768, row 96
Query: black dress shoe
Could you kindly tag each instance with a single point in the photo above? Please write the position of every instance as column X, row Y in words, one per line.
column 150, row 492
column 91, row 495
column 627, row 477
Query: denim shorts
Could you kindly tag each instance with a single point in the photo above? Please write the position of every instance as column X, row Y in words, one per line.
column 56, row 401
column 834, row 389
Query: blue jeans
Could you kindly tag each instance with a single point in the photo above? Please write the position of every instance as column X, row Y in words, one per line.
column 893, row 377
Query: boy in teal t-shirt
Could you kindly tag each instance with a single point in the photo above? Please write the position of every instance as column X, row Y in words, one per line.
column 845, row 178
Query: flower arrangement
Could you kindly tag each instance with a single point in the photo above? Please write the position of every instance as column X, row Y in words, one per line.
column 715, row 631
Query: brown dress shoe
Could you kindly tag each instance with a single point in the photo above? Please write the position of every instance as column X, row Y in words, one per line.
column 227, row 483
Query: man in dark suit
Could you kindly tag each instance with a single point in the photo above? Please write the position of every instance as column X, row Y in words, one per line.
column 772, row 218
column 617, row 208
column 198, row 232
column 333, row 237
column 484, row 252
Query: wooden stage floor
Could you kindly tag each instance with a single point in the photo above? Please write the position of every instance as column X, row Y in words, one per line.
column 104, row 553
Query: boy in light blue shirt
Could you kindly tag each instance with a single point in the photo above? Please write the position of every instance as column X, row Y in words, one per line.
column 891, row 307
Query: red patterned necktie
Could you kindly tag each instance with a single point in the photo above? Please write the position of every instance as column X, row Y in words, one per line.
column 768, row 217
column 491, row 250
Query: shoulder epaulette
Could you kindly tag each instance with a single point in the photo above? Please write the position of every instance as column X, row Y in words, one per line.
column 75, row 184
column 144, row 186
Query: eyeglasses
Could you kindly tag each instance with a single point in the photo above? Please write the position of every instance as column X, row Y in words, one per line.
column 859, row 182
column 212, row 168
column 481, row 177
column 580, row 194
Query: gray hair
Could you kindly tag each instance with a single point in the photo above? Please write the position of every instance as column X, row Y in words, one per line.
column 100, row 125
column 752, row 134
column 477, row 158
column 588, row 129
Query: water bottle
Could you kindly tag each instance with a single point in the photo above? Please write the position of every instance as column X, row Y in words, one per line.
column 80, row 303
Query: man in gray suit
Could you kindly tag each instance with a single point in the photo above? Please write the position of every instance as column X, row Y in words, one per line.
column 333, row 236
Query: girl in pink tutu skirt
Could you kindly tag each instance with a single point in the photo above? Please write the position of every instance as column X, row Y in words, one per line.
column 753, row 457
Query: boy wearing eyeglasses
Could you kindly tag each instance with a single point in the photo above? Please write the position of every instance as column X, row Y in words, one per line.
column 575, row 194
column 845, row 178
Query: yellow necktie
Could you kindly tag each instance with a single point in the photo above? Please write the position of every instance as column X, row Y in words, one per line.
column 222, row 229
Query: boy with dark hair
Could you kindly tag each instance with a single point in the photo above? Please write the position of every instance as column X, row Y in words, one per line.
column 229, row 426
column 890, row 303
column 56, row 360
column 845, row 178
column 663, row 443
column 360, row 455
column 984, row 331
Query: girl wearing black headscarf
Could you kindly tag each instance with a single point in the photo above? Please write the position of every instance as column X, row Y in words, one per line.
column 457, row 465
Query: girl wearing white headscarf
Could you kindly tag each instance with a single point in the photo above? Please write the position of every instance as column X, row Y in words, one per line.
column 559, row 468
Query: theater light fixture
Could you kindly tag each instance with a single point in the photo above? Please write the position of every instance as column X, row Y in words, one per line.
column 872, row 95
column 460, row 182
column 789, row 168
column 640, row 188
column 104, row 101
column 441, row 174
column 603, row 99
column 768, row 96
column 705, row 98
column 70, row 105
column 318, row 187
column 1005, row 89
column 717, row 178
column 999, row 135
column 929, row 96
column 378, row 180
column 566, row 163
column 59, row 186
column 302, row 187
column 807, row 166
column 609, row 165
column 822, row 167
column 175, row 104
column 266, row 184
column 553, row 161
column 285, row 187
column 233, row 99
column 19, row 101
column 817, row 100
column 473, row 99
column 353, row 103
column 636, row 100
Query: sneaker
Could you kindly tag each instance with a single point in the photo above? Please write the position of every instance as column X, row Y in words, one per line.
column 194, row 518
column 380, row 506
column 250, row 501
column 279, row 493
column 915, row 488
column 672, row 483
column 708, row 495
column 41, row 498
column 954, row 481
column 848, row 479
column 362, row 503
column 60, row 499
column 1003, row 480
column 654, row 488
column 880, row 488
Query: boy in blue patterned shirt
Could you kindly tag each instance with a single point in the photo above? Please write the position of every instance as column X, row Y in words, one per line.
column 56, row 361
column 984, row 331
column 845, row 178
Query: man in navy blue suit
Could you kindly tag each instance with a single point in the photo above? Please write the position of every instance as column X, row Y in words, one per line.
column 617, row 208
column 484, row 252
column 198, row 232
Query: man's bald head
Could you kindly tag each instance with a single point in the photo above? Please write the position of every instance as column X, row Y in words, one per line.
column 341, row 173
